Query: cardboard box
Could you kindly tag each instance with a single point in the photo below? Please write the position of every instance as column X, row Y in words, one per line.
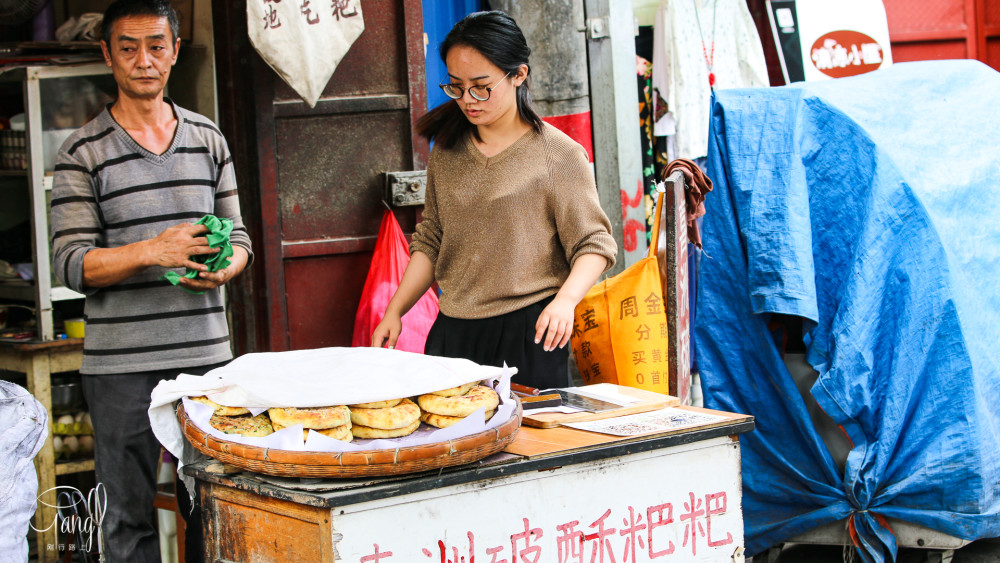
column 185, row 15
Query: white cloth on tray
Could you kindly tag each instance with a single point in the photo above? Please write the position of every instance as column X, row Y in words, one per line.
column 316, row 378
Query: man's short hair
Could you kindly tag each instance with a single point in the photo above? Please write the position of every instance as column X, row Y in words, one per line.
column 125, row 8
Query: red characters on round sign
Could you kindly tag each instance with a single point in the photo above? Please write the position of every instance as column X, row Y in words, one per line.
column 846, row 53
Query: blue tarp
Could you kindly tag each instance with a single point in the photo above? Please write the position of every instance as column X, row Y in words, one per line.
column 870, row 206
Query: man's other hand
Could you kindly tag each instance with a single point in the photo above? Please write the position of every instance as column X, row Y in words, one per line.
column 211, row 280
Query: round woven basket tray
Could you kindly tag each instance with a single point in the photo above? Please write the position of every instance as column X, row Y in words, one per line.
column 367, row 463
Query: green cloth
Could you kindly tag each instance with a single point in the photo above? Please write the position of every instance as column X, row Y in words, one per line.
column 218, row 237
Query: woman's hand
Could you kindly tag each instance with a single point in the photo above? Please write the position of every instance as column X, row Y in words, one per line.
column 555, row 323
column 387, row 331
column 417, row 278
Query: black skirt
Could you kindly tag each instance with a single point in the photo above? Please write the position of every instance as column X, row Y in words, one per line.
column 506, row 338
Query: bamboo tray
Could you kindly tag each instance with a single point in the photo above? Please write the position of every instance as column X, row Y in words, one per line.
column 366, row 463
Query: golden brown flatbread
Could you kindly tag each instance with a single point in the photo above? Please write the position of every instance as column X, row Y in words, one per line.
column 441, row 421
column 316, row 418
column 455, row 391
column 366, row 432
column 376, row 404
column 220, row 410
column 479, row 397
column 342, row 433
column 400, row 416
column 245, row 425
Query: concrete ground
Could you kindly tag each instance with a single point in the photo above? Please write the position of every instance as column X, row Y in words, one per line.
column 982, row 551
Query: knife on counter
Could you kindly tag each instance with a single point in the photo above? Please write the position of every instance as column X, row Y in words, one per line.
column 583, row 402
column 532, row 398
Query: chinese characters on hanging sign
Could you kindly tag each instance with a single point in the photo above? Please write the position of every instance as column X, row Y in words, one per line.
column 309, row 11
column 303, row 41
column 271, row 18
column 670, row 531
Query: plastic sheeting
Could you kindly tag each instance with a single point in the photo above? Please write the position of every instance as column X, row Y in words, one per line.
column 24, row 425
column 869, row 206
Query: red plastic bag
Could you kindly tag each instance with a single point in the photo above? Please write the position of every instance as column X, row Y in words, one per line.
column 388, row 263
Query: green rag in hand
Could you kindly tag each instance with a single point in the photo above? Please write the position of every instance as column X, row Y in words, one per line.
column 218, row 237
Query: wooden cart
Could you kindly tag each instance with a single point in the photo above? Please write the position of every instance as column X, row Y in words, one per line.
column 553, row 495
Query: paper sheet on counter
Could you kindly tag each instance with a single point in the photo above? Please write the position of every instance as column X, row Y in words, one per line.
column 663, row 420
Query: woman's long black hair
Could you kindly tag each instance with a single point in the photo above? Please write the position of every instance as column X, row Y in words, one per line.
column 498, row 38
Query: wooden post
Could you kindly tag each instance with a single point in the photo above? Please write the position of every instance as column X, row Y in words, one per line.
column 672, row 256
column 40, row 386
column 39, row 207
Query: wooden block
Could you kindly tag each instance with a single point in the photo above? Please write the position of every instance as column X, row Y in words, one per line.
column 220, row 468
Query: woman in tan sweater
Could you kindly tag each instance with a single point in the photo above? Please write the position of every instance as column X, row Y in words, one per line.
column 513, row 231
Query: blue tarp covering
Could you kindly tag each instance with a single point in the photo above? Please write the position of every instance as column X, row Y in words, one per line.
column 870, row 206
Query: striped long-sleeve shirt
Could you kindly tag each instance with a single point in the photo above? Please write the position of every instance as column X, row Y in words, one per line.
column 109, row 191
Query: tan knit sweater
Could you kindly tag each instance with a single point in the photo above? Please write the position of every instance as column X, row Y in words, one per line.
column 503, row 232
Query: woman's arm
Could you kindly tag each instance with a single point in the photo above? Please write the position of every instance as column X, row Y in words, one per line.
column 417, row 278
column 555, row 323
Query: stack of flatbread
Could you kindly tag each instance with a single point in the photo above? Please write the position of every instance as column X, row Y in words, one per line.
column 450, row 406
column 334, row 422
column 236, row 420
column 385, row 419
column 394, row 418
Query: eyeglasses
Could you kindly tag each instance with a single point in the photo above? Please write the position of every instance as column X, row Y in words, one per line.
column 481, row 93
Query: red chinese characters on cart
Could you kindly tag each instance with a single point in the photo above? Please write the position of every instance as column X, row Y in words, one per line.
column 645, row 534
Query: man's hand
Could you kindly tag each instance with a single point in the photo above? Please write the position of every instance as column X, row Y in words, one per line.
column 174, row 247
column 211, row 280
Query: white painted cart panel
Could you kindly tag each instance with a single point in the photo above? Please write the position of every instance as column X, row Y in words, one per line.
column 676, row 504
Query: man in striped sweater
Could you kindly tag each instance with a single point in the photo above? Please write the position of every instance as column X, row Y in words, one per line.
column 128, row 186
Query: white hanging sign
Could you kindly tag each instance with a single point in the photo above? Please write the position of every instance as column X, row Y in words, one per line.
column 304, row 40
column 820, row 40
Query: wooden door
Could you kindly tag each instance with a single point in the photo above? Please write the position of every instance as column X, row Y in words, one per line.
column 311, row 179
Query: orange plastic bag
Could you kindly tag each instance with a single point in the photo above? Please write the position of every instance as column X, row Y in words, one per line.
column 620, row 326
column 388, row 263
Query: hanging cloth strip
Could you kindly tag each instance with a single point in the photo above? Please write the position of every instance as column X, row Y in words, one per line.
column 218, row 237
column 698, row 184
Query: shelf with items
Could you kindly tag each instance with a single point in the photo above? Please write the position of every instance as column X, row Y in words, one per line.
column 57, row 100
column 72, row 429
column 74, row 466
column 23, row 290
